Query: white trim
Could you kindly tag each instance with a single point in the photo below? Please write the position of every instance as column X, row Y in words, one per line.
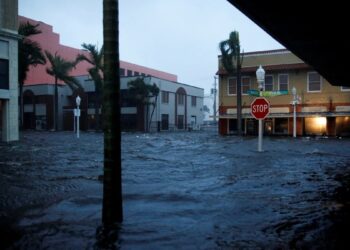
column 279, row 80
column 307, row 87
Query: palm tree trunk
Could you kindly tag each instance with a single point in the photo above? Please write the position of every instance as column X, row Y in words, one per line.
column 112, row 211
column 56, row 105
column 97, row 110
column 21, row 104
column 239, row 102
column 154, row 107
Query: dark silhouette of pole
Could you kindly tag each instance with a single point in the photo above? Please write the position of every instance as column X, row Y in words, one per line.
column 112, row 211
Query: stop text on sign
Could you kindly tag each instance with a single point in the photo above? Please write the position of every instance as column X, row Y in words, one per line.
column 260, row 108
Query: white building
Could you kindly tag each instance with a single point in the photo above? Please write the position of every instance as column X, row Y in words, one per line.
column 9, row 70
column 178, row 107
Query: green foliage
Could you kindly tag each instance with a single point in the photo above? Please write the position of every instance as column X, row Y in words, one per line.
column 142, row 92
column 231, row 53
column 29, row 52
column 60, row 69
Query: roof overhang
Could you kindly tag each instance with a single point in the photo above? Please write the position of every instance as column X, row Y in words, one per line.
column 316, row 32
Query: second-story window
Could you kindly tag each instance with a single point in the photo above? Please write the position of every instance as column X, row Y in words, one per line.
column 180, row 99
column 283, row 81
column 165, row 97
column 313, row 82
column 193, row 101
column 232, row 86
column 245, row 85
column 268, row 83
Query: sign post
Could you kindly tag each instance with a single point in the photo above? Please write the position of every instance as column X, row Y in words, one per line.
column 260, row 108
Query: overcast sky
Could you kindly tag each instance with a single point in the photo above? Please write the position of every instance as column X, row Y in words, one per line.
column 177, row 36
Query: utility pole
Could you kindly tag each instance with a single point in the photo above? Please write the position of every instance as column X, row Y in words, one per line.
column 214, row 94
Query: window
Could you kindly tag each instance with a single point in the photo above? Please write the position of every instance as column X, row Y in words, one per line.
column 232, row 86
column 180, row 99
column 245, row 85
column 143, row 74
column 129, row 72
column 122, row 72
column 165, row 121
column 180, row 121
column 345, row 88
column 283, row 82
column 136, row 73
column 193, row 101
column 268, row 83
column 4, row 74
column 165, row 97
column 313, row 82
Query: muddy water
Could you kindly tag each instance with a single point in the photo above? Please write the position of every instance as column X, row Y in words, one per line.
column 190, row 190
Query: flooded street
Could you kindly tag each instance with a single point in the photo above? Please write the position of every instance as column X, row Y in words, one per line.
column 187, row 190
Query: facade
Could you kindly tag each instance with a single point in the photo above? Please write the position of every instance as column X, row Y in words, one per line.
column 9, row 70
column 322, row 109
column 178, row 107
column 38, row 88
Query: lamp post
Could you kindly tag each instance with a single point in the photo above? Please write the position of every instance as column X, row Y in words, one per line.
column 260, row 76
column 78, row 100
column 294, row 103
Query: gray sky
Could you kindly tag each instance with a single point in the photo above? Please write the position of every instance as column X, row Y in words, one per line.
column 177, row 36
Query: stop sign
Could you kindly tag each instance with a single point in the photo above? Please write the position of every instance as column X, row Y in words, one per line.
column 260, row 108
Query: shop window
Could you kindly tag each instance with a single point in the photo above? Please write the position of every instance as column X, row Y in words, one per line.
column 313, row 82
column 129, row 72
column 4, row 74
column 180, row 121
column 316, row 125
column 342, row 126
column 281, row 126
column 165, row 122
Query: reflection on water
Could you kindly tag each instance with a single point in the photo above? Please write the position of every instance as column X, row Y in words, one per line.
column 186, row 190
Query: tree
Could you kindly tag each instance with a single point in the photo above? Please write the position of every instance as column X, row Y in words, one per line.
column 142, row 93
column 232, row 60
column 29, row 54
column 60, row 69
column 112, row 210
column 95, row 58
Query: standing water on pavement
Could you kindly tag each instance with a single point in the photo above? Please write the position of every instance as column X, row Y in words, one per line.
column 188, row 190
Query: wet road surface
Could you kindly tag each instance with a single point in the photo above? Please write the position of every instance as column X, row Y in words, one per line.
column 187, row 190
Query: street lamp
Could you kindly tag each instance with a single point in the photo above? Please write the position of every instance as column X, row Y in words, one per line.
column 260, row 76
column 77, row 101
column 294, row 103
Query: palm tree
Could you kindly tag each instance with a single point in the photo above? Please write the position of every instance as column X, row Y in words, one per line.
column 29, row 54
column 232, row 62
column 141, row 93
column 95, row 58
column 112, row 211
column 60, row 69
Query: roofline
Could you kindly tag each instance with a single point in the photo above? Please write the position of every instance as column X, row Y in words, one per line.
column 265, row 52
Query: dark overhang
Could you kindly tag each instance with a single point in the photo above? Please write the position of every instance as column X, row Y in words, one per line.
column 316, row 33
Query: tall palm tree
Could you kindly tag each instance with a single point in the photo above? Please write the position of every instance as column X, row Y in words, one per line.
column 60, row 69
column 112, row 211
column 232, row 61
column 95, row 58
column 29, row 54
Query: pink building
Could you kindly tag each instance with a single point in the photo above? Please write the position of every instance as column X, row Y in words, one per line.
column 38, row 90
column 50, row 41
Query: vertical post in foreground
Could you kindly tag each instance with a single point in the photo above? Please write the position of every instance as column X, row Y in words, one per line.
column 112, row 211
column 260, row 76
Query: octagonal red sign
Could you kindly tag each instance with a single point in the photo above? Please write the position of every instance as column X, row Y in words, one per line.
column 260, row 108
